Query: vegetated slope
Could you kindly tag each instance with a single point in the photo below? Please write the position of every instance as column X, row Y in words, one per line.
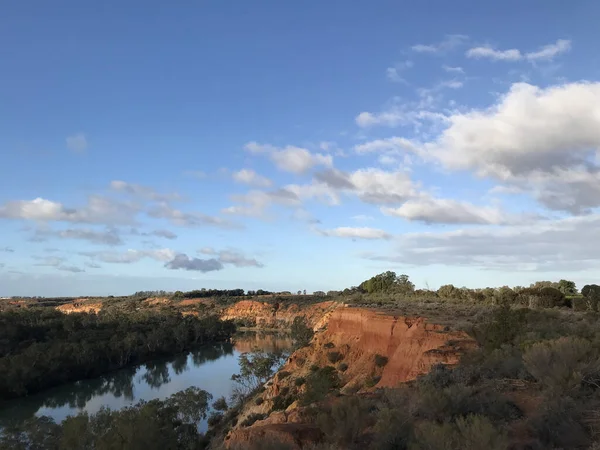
column 372, row 382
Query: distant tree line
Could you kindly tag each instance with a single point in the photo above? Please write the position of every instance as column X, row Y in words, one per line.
column 40, row 348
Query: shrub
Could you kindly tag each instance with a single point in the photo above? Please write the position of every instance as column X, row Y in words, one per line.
column 564, row 365
column 372, row 381
column 220, row 404
column 551, row 297
column 470, row 433
column 329, row 345
column 319, row 384
column 314, row 368
column 281, row 402
column 345, row 421
column 558, row 424
column 284, row 374
column 343, row 367
column 380, row 360
column 301, row 333
column 214, row 418
column 259, row 401
column 393, row 428
column 299, row 381
column 334, row 357
column 252, row 418
column 503, row 328
column 579, row 303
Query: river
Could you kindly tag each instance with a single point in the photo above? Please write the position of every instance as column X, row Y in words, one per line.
column 209, row 367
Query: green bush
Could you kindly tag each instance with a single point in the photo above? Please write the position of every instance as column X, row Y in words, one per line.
column 214, row 418
column 314, row 368
column 259, row 401
column 299, row 381
column 380, row 360
column 343, row 367
column 372, row 381
column 319, row 384
column 281, row 402
column 579, row 303
column 284, row 374
column 220, row 404
column 564, row 365
column 252, row 418
column 344, row 422
column 470, row 433
column 334, row 357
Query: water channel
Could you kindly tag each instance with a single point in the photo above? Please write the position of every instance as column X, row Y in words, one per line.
column 209, row 367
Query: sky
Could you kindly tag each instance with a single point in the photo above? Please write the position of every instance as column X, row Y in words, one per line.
column 297, row 145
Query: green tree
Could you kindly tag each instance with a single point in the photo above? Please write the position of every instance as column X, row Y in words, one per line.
column 567, row 287
column 301, row 333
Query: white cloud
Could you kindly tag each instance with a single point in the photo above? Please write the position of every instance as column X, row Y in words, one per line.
column 496, row 55
column 371, row 185
column 144, row 192
column 299, row 160
column 362, row 218
column 77, row 143
column 544, row 140
column 290, row 158
column 255, row 203
column 132, row 256
column 548, row 52
column 435, row 210
column 393, row 144
column 394, row 73
column 450, row 42
column 451, row 69
column 250, row 177
column 188, row 219
column 109, row 236
column 355, row 233
column 545, row 53
column 565, row 245
column 398, row 116
column 232, row 257
column 99, row 209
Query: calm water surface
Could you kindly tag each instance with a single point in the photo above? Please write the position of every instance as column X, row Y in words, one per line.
column 209, row 368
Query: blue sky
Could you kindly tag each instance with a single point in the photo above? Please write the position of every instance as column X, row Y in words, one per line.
column 290, row 146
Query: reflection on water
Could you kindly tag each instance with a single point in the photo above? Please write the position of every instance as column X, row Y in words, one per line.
column 209, row 367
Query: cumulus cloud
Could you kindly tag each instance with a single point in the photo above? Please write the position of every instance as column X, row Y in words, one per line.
column 77, row 143
column 232, row 257
column 355, row 233
column 255, row 203
column 450, row 42
column 250, row 177
column 182, row 261
column 144, row 192
column 544, row 140
column 188, row 219
column 290, row 158
column 569, row 244
column 100, row 210
column 545, row 53
column 435, row 210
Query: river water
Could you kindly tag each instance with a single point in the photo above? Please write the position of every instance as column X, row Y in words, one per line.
column 209, row 367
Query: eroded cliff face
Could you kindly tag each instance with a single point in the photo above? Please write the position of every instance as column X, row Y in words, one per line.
column 80, row 305
column 405, row 348
column 276, row 315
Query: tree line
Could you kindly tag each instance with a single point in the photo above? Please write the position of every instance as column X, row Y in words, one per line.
column 40, row 347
